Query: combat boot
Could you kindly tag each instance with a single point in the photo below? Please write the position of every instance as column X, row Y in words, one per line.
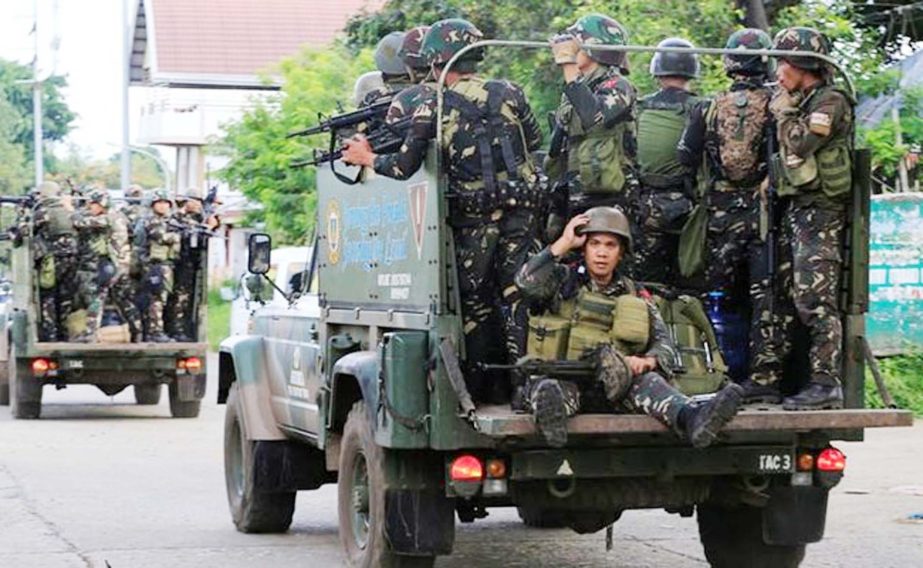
column 182, row 338
column 550, row 412
column 85, row 337
column 755, row 392
column 706, row 420
column 816, row 396
column 160, row 338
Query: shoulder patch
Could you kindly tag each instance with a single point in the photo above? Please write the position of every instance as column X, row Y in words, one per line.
column 820, row 123
column 644, row 294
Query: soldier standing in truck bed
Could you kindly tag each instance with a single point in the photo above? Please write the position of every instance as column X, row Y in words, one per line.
column 632, row 363
column 488, row 133
column 815, row 135
column 161, row 248
column 96, row 271
column 55, row 253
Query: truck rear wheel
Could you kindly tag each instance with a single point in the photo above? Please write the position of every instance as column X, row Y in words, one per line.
column 539, row 518
column 734, row 537
column 25, row 393
column 182, row 408
column 361, row 499
column 253, row 511
column 148, row 394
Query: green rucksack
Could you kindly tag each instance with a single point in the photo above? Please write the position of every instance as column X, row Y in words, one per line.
column 703, row 369
column 660, row 127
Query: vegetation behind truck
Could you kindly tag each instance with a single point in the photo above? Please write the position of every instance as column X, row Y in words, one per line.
column 27, row 365
column 370, row 395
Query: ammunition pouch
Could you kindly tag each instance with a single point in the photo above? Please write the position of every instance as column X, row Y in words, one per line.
column 481, row 202
column 834, row 165
column 548, row 337
column 99, row 246
column 155, row 279
column 47, row 278
column 632, row 324
column 159, row 252
column 667, row 212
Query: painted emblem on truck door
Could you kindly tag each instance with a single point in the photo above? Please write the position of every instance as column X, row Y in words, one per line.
column 417, row 193
column 334, row 228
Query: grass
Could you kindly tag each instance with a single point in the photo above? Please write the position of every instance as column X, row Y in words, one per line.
column 903, row 376
column 219, row 319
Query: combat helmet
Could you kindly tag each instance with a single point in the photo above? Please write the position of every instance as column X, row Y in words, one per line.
column 387, row 58
column 134, row 191
column 446, row 38
column 410, row 49
column 665, row 64
column 160, row 195
column 365, row 84
column 803, row 39
column 744, row 64
column 48, row 189
column 609, row 220
column 601, row 30
column 100, row 196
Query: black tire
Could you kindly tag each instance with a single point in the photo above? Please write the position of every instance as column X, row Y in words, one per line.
column 182, row 408
column 539, row 518
column 733, row 537
column 252, row 511
column 361, row 499
column 148, row 395
column 25, row 395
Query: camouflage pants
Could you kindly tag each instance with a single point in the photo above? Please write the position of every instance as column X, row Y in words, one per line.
column 158, row 280
column 661, row 215
column 92, row 295
column 57, row 303
column 178, row 313
column 122, row 295
column 490, row 253
column 808, row 280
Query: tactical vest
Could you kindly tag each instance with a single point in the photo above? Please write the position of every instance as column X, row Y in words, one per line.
column 581, row 324
column 160, row 251
column 828, row 170
column 58, row 219
column 98, row 243
column 736, row 124
column 596, row 156
column 660, row 127
column 480, row 121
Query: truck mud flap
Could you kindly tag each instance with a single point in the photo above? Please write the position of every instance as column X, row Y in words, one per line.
column 419, row 521
column 795, row 515
column 190, row 387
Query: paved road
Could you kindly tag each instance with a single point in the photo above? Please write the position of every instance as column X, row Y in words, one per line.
column 99, row 482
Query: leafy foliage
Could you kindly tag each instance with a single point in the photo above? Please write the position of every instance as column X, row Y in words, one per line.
column 886, row 153
column 81, row 171
column 903, row 376
column 315, row 81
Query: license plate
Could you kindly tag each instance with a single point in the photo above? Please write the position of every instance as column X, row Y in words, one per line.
column 73, row 364
column 776, row 462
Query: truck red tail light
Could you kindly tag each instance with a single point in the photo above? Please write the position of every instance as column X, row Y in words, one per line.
column 191, row 365
column 831, row 460
column 40, row 366
column 466, row 468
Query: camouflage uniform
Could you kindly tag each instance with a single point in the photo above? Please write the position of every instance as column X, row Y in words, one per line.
column 735, row 247
column 123, row 292
column 179, row 316
column 135, row 213
column 408, row 100
column 596, row 116
column 161, row 249
column 54, row 240
column 393, row 73
column 815, row 131
column 491, row 209
column 96, row 271
column 544, row 282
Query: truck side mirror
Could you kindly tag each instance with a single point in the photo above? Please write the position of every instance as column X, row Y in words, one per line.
column 259, row 246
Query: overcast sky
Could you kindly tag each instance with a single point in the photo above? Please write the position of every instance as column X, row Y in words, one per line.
column 89, row 54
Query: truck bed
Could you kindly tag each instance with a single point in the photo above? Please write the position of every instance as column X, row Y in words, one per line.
column 499, row 421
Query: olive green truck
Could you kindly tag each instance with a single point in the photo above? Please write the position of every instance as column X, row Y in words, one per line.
column 28, row 365
column 367, row 392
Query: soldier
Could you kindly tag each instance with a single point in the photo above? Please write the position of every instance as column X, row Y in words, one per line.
column 592, row 156
column 96, row 271
column 123, row 291
column 179, row 316
column 54, row 252
column 630, row 367
column 404, row 103
column 815, row 135
column 393, row 73
column 160, row 252
column 135, row 212
column 666, row 196
column 732, row 132
column 489, row 130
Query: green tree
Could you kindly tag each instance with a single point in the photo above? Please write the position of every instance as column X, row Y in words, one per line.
column 15, row 174
column 80, row 170
column 261, row 157
column 56, row 115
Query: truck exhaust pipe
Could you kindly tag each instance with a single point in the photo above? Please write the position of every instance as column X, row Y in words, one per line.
column 563, row 487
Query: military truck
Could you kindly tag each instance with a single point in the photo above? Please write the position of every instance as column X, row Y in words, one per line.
column 27, row 365
column 370, row 395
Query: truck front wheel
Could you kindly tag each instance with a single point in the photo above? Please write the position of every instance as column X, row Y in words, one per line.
column 253, row 511
column 733, row 537
column 361, row 499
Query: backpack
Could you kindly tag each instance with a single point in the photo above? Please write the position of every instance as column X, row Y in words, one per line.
column 738, row 120
column 703, row 369
column 660, row 127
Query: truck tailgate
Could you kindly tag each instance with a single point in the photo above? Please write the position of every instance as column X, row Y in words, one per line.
column 500, row 422
column 53, row 349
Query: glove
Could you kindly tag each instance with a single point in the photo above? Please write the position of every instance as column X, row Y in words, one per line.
column 784, row 102
column 564, row 48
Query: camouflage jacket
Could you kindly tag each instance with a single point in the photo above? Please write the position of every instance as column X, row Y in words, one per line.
column 93, row 234
column 162, row 242
column 544, row 283
column 389, row 89
column 192, row 243
column 600, row 100
column 120, row 241
column 459, row 146
column 699, row 137
column 407, row 101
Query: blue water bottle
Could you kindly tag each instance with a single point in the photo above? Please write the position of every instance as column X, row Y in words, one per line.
column 733, row 333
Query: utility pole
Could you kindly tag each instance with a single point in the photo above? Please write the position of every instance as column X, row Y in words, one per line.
column 903, row 183
column 37, row 135
column 126, row 69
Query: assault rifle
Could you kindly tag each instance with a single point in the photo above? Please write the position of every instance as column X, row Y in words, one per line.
column 373, row 113
column 384, row 139
column 200, row 229
column 773, row 171
column 560, row 369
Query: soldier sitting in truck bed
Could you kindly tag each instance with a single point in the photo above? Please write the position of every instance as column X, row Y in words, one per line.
column 612, row 319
